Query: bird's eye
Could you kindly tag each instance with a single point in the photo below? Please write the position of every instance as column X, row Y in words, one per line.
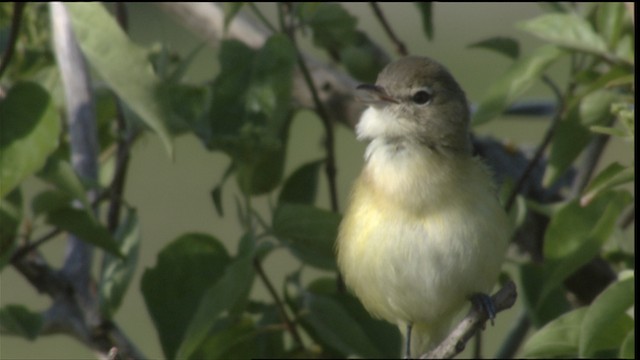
column 421, row 97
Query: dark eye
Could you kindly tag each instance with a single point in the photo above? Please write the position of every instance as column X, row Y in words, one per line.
column 421, row 97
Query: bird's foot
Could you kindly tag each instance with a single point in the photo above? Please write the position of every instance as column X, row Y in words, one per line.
column 485, row 303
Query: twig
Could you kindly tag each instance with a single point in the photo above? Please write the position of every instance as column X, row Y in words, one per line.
column 290, row 325
column 16, row 20
column 548, row 136
column 516, row 335
column 400, row 47
column 24, row 250
column 330, row 167
column 473, row 322
column 592, row 156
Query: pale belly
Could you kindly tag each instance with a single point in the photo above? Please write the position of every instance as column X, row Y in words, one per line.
column 421, row 269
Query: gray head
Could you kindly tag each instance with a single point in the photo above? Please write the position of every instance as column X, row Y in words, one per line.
column 416, row 99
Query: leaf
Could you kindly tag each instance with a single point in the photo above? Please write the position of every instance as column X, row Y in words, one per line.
column 500, row 44
column 302, row 185
column 558, row 338
column 85, row 227
column 576, row 234
column 566, row 30
column 518, row 79
column 20, row 321
column 216, row 193
column 363, row 59
column 628, row 347
column 122, row 64
column 426, row 11
column 60, row 173
column 572, row 133
column 229, row 339
column 309, row 232
column 117, row 272
column 339, row 322
column 612, row 176
column 333, row 27
column 606, row 323
column 30, row 129
column 10, row 217
column 231, row 9
column 173, row 288
column 231, row 288
column 610, row 21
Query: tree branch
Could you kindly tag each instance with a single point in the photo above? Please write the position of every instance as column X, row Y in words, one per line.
column 472, row 323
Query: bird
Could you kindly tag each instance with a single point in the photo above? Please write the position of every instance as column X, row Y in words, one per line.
column 424, row 231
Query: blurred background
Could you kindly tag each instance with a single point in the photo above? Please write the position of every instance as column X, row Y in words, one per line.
column 172, row 197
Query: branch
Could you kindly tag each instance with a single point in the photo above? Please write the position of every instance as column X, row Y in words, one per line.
column 471, row 324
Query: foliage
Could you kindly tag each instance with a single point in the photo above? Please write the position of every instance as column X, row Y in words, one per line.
column 198, row 294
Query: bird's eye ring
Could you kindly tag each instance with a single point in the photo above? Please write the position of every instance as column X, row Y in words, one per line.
column 421, row 97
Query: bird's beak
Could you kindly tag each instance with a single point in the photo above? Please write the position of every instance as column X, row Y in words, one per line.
column 374, row 94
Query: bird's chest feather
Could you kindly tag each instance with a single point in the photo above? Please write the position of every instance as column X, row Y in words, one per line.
column 417, row 232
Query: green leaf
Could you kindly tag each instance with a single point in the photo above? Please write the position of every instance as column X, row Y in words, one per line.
column 572, row 133
column 10, row 217
column 339, row 322
column 612, row 176
column 610, row 21
column 117, row 272
column 566, row 30
column 628, row 348
column 309, row 232
column 231, row 288
column 576, row 234
column 50, row 200
column 363, row 59
column 426, row 11
column 606, row 323
column 229, row 339
column 60, row 173
column 513, row 84
column 301, row 186
column 500, row 44
column 333, row 27
column 173, row 288
column 122, row 64
column 20, row 321
column 85, row 227
column 558, row 338
column 231, row 9
column 30, row 129
column 216, row 193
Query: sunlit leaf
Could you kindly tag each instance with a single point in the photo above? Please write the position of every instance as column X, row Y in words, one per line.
column 557, row 339
column 117, row 272
column 122, row 64
column 566, row 30
column 510, row 86
column 606, row 323
column 79, row 223
column 30, row 129
column 612, row 176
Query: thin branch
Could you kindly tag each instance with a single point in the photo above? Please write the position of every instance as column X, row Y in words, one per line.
column 290, row 325
column 330, row 167
column 592, row 155
column 546, row 140
column 24, row 250
column 515, row 337
column 16, row 20
column 400, row 47
column 473, row 322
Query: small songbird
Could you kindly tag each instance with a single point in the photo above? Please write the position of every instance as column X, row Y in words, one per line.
column 424, row 230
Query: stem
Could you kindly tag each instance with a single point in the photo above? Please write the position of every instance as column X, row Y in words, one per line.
column 290, row 325
column 400, row 47
column 330, row 168
column 541, row 148
column 515, row 337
